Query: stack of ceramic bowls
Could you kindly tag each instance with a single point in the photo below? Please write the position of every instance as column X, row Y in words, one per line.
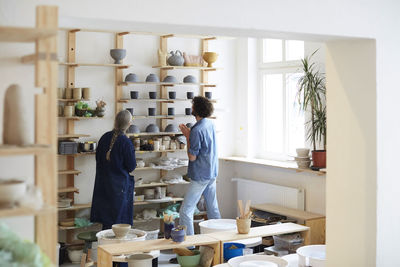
column 303, row 158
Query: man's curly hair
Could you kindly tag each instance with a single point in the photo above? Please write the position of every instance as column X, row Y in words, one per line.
column 202, row 107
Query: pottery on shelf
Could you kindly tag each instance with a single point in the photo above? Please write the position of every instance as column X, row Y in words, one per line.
column 152, row 128
column 193, row 60
column 208, row 95
column 133, row 129
column 17, row 124
column 171, row 111
column 178, row 234
column 170, row 79
column 189, row 95
column 100, row 112
column 172, row 95
column 134, row 94
column 188, row 111
column 86, row 93
column 210, row 57
column 152, row 78
column 118, row 54
column 11, row 191
column 172, row 128
column 121, row 230
column 152, row 95
column 131, row 77
column 302, row 152
column 176, row 59
column 139, row 260
column 152, row 111
column 189, row 125
column 130, row 110
column 190, row 79
column 75, row 254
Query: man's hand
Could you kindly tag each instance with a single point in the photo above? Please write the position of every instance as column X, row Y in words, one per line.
column 185, row 130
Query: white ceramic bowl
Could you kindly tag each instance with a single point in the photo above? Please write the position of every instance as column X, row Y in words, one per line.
column 257, row 261
column 302, row 152
column 314, row 255
column 11, row 191
column 75, row 254
column 303, row 164
column 302, row 158
column 121, row 230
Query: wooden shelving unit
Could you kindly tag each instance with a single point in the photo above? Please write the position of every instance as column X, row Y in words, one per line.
column 72, row 136
column 154, row 134
column 75, row 65
column 44, row 36
column 72, row 172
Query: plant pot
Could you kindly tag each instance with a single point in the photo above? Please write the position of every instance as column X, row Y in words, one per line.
column 80, row 112
column 178, row 234
column 100, row 112
column 243, row 225
column 319, row 158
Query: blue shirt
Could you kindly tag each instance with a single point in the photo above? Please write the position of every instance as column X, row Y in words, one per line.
column 203, row 145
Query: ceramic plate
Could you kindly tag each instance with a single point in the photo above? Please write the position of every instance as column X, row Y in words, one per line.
column 257, row 261
column 167, row 199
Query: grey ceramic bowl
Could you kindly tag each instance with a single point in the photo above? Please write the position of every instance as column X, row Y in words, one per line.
column 133, row 129
column 152, row 78
column 189, row 125
column 152, row 128
column 170, row 79
column 190, row 79
column 172, row 128
column 131, row 77
column 118, row 54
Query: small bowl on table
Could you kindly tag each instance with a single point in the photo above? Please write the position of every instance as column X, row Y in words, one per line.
column 121, row 230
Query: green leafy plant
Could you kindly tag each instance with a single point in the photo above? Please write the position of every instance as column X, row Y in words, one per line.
column 311, row 95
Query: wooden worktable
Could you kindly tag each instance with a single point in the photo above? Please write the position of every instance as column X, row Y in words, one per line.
column 105, row 253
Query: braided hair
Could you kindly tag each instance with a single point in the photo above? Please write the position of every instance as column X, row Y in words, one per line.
column 121, row 124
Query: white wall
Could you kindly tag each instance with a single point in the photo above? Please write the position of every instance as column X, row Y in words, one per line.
column 315, row 20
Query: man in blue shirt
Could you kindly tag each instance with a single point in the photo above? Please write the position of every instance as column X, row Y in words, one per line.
column 203, row 164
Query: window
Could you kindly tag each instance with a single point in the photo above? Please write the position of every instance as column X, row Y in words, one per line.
column 282, row 123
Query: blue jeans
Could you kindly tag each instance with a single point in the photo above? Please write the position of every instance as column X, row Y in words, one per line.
column 192, row 197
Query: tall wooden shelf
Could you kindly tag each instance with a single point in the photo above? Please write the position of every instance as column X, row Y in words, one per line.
column 44, row 36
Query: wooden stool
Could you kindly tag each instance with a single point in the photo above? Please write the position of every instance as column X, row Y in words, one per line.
column 89, row 238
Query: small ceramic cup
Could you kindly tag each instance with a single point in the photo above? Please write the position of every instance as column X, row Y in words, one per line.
column 130, row 110
column 190, row 95
column 68, row 111
column 134, row 94
column 61, row 93
column 77, row 93
column 173, row 146
column 188, row 111
column 208, row 95
column 86, row 93
column 152, row 111
column 152, row 95
column 171, row 111
column 162, row 148
column 172, row 95
column 68, row 93
column 166, row 144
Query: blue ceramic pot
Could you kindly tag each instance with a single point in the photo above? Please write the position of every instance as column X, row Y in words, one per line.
column 178, row 235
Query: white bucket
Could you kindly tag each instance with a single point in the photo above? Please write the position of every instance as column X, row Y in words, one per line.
column 314, row 255
column 139, row 260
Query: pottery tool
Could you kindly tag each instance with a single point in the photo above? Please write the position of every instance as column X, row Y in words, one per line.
column 240, row 205
column 247, row 208
column 183, row 252
column 207, row 255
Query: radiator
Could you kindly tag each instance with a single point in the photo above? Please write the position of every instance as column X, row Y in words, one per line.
column 259, row 193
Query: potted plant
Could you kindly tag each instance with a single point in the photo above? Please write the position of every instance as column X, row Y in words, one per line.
column 311, row 96
column 81, row 108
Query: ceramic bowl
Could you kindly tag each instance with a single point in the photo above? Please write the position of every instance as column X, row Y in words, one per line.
column 64, row 203
column 210, row 57
column 170, row 79
column 303, row 164
column 67, row 222
column 11, row 191
column 75, row 254
column 121, row 230
column 118, row 54
column 302, row 152
column 152, row 78
column 152, row 128
column 133, row 129
column 172, row 128
column 302, row 158
column 190, row 79
column 131, row 77
column 189, row 261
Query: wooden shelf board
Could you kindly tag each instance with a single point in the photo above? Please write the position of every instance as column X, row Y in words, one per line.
column 24, row 35
column 72, row 136
column 66, row 228
column 168, row 84
column 185, row 68
column 165, row 117
column 20, row 211
column 291, row 213
column 159, row 151
column 157, row 184
column 10, row 150
column 177, row 199
column 79, row 64
column 71, row 100
column 78, row 154
column 74, row 172
column 75, row 118
column 76, row 207
column 153, row 134
column 68, row 190
column 150, row 168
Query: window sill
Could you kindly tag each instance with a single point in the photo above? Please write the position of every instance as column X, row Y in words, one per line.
column 288, row 165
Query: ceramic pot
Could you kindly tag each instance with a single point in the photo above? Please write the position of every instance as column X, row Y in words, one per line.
column 152, row 128
column 302, row 152
column 134, row 94
column 100, row 112
column 189, row 79
column 171, row 111
column 156, row 145
column 61, row 93
column 243, row 225
column 171, row 128
column 131, row 77
column 86, row 93
column 167, row 229
column 208, row 95
column 130, row 110
column 118, row 54
column 152, row 78
column 170, row 79
column 210, row 57
column 77, row 93
column 152, row 111
column 68, row 93
column 178, row 234
column 133, row 129
column 148, row 193
column 152, row 95
column 68, row 111
column 176, row 59
column 172, row 95
column 189, row 95
column 75, row 254
column 139, row 260
column 319, row 158
column 121, row 230
column 190, row 261
column 188, row 111
column 11, row 191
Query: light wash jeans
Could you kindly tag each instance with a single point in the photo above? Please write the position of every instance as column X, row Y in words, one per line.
column 192, row 197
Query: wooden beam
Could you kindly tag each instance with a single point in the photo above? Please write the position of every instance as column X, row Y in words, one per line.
column 203, row 74
column 71, row 59
column 119, row 43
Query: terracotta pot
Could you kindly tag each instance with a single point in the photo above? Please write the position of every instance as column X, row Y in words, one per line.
column 319, row 158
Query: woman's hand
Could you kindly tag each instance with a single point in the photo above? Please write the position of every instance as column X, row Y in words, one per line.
column 185, row 130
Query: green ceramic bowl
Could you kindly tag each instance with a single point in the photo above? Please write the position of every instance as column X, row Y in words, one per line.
column 189, row 261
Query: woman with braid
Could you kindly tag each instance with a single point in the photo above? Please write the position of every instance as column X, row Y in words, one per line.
column 113, row 190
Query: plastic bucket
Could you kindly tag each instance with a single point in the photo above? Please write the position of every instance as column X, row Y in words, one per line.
column 230, row 252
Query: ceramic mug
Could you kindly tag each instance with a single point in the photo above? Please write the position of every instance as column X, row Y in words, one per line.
column 189, row 95
column 208, row 95
column 68, row 111
column 171, row 111
column 86, row 93
column 68, row 93
column 60, row 93
column 77, row 93
column 188, row 111
column 152, row 95
column 156, row 145
column 134, row 94
column 172, row 95
column 152, row 111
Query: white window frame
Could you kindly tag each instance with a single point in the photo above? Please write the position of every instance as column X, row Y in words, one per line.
column 283, row 67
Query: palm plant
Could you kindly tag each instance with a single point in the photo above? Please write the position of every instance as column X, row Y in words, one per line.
column 311, row 95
